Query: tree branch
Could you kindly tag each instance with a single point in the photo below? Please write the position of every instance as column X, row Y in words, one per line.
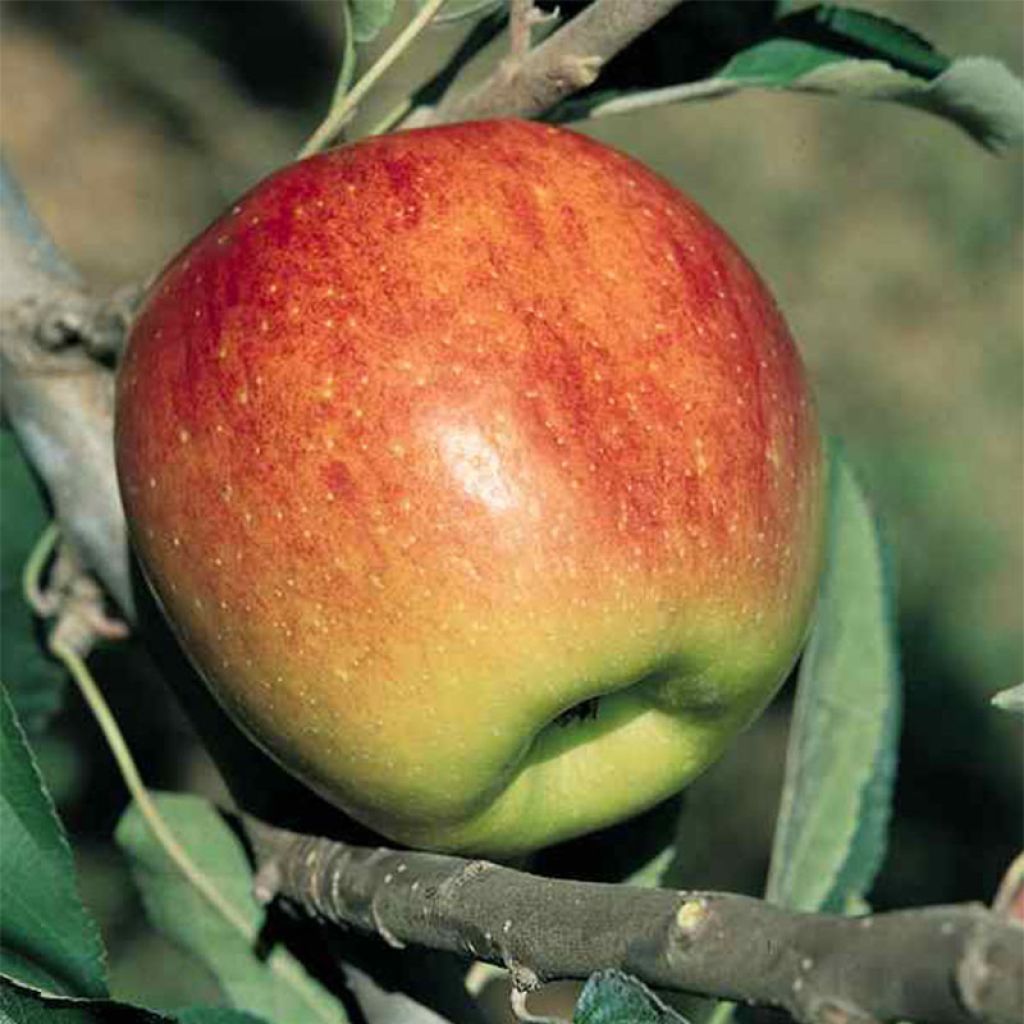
column 567, row 61
column 945, row 965
column 60, row 403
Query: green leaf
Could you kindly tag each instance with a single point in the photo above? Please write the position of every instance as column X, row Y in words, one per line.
column 35, row 682
column 611, row 997
column 824, row 49
column 47, row 939
column 27, row 1006
column 276, row 986
column 831, row 831
column 370, row 18
column 866, row 34
column 1011, row 699
column 216, row 1015
column 778, row 62
column 977, row 93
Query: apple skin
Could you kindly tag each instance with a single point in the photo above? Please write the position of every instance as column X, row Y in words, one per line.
column 437, row 436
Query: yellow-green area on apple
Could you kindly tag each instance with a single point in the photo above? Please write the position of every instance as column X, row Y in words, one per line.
column 478, row 473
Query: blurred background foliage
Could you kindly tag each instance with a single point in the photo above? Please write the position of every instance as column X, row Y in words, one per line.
column 894, row 246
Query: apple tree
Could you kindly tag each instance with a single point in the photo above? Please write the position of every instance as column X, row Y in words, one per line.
column 525, row 735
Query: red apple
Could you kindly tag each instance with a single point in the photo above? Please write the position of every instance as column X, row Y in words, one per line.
column 476, row 469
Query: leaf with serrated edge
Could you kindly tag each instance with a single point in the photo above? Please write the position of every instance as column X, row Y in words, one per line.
column 611, row 997
column 27, row 1006
column 47, row 938
column 830, row 834
column 276, row 987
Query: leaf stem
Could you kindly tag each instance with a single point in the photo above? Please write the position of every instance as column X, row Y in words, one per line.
column 136, row 787
column 32, row 571
column 345, row 106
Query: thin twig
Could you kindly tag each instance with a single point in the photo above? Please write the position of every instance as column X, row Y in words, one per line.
column 520, row 20
column 568, row 60
column 340, row 112
column 61, row 405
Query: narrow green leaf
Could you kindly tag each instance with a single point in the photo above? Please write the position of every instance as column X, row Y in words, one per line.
column 611, row 997
column 47, row 938
column 35, row 682
column 370, row 18
column 276, row 986
column 831, row 830
column 865, row 34
column 1011, row 699
column 826, row 49
column 27, row 1006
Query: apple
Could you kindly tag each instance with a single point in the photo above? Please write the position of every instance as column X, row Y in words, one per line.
column 477, row 472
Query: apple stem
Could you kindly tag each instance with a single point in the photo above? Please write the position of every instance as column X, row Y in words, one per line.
column 344, row 109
